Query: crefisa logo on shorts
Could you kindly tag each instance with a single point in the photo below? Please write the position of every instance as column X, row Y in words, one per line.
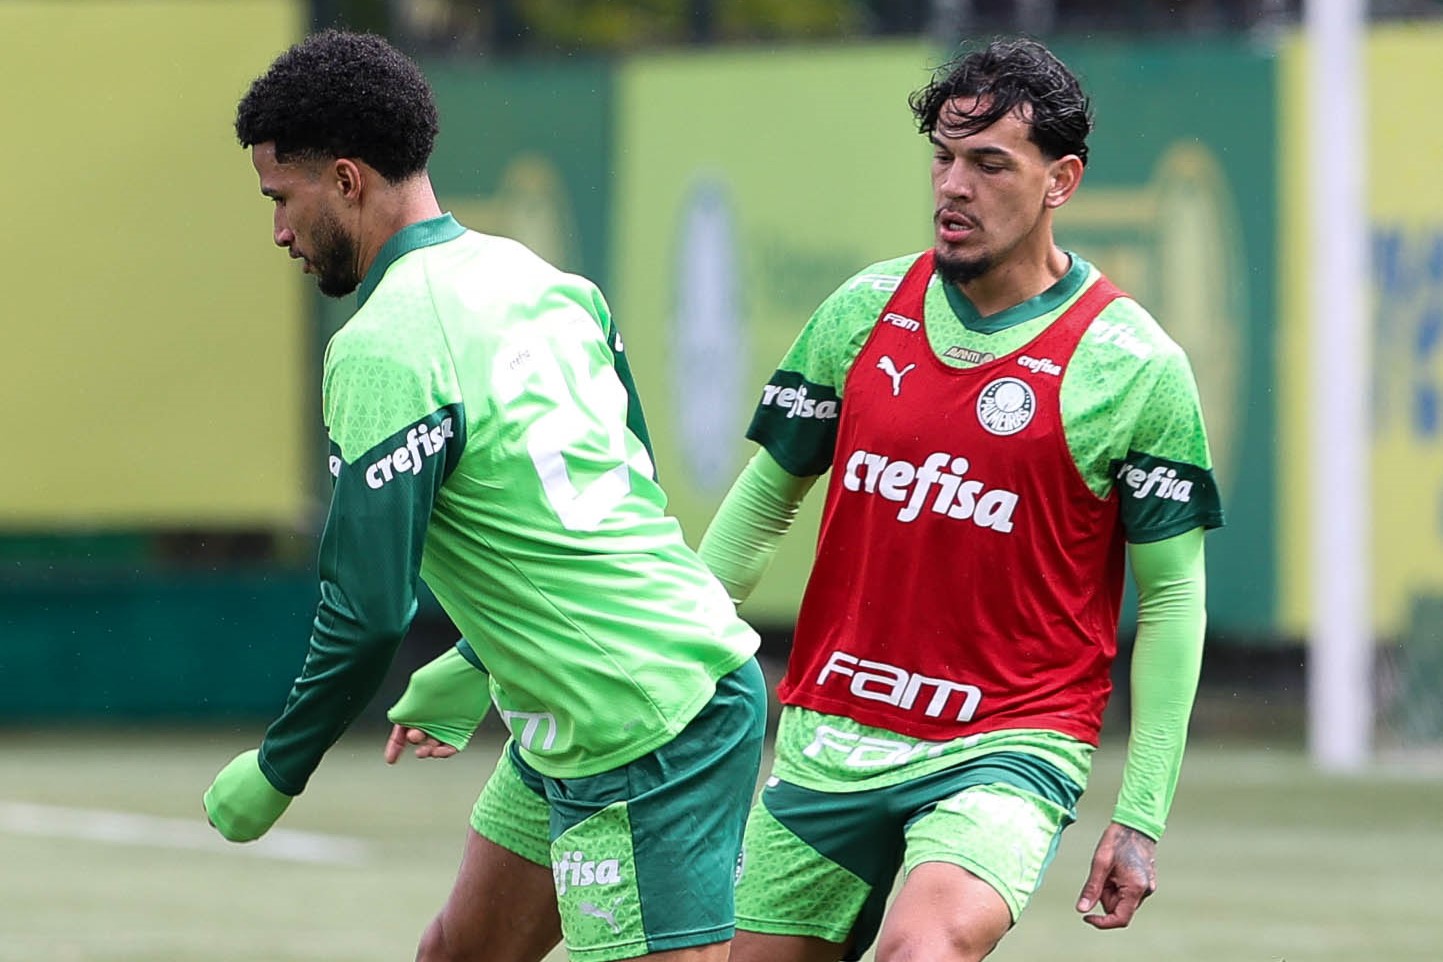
column 574, row 871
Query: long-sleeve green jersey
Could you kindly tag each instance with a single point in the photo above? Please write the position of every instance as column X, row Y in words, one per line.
column 486, row 438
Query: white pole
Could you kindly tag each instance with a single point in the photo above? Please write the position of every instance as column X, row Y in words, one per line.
column 1340, row 659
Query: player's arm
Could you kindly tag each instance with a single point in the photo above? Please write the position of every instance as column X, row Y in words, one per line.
column 758, row 510
column 369, row 565
column 1166, row 659
column 1167, row 496
column 795, row 423
column 1167, row 656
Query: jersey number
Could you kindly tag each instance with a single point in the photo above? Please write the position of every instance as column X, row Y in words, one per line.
column 545, row 373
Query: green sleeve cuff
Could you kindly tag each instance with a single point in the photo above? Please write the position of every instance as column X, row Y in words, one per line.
column 446, row 698
column 241, row 802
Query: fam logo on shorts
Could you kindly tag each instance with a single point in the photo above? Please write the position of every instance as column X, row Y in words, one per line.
column 575, row 871
column 1006, row 406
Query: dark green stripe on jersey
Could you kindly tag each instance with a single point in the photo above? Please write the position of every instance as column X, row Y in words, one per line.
column 796, row 421
column 1159, row 498
column 635, row 417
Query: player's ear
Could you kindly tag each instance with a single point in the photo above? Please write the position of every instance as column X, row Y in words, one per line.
column 1064, row 177
column 348, row 179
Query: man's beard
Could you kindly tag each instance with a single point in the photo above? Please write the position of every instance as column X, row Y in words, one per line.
column 333, row 259
column 962, row 270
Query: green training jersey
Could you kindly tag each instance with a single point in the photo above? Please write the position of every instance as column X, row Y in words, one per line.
column 486, row 438
column 1130, row 407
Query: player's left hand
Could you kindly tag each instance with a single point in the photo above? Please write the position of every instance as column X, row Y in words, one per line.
column 1124, row 872
column 241, row 803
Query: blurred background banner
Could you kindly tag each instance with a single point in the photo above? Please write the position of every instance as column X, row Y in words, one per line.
column 1405, row 67
column 750, row 185
column 153, row 343
column 717, row 192
column 1179, row 208
column 718, row 167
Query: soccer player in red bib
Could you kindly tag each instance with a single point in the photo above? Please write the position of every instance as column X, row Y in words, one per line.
column 1005, row 433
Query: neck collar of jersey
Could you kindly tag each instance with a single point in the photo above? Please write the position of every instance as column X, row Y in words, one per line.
column 424, row 233
column 1049, row 300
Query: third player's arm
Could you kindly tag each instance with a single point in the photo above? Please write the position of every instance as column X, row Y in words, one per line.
column 760, row 507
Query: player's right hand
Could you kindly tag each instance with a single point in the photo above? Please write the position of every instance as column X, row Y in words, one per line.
column 241, row 803
column 425, row 746
column 441, row 708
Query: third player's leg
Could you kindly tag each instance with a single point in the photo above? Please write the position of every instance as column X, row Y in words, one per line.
column 502, row 909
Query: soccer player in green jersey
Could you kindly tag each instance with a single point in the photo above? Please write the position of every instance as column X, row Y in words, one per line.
column 485, row 437
column 1003, row 429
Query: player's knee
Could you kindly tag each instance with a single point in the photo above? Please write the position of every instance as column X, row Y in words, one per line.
column 942, row 943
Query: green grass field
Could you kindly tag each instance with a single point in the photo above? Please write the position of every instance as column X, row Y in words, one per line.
column 1265, row 860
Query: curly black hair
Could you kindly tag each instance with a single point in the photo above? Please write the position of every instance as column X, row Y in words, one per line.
column 343, row 94
column 1008, row 74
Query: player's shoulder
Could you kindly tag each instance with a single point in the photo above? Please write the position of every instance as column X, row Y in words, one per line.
column 877, row 281
column 1127, row 332
column 865, row 292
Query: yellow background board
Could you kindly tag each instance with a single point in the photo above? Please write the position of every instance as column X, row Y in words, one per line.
column 1404, row 68
column 153, row 340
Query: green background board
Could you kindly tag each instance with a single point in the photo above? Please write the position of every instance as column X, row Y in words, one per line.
column 789, row 171
column 106, row 646
column 786, row 172
column 1179, row 206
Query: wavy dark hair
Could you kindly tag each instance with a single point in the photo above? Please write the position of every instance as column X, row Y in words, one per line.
column 343, row 94
column 1008, row 74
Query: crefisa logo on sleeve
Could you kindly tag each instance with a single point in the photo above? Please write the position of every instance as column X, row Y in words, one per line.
column 422, row 442
column 797, row 404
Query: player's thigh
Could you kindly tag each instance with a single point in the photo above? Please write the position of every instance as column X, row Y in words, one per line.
column 943, row 913
column 503, row 903
column 972, row 863
column 501, row 908
column 512, row 809
column 645, row 855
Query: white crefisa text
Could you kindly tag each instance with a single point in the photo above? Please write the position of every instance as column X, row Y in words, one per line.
column 940, row 477
column 422, row 442
column 797, row 404
column 1161, row 482
column 574, row 870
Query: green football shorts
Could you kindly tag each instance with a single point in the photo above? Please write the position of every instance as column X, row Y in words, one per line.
column 823, row 864
column 645, row 855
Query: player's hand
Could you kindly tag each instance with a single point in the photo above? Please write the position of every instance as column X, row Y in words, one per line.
column 241, row 803
column 425, row 745
column 444, row 702
column 1124, row 872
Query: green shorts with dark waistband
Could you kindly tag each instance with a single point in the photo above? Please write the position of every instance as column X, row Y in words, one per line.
column 644, row 856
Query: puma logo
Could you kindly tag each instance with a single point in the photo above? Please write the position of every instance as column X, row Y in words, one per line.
column 606, row 915
column 889, row 368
